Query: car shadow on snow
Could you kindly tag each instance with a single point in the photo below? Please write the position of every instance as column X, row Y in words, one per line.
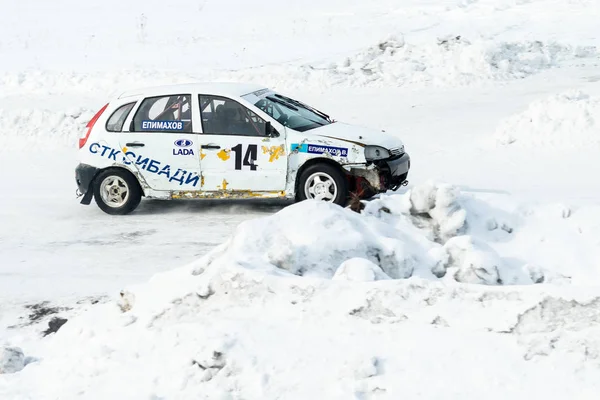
column 226, row 206
column 469, row 189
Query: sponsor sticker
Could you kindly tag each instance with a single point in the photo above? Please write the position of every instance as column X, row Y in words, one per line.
column 162, row 125
column 140, row 162
column 320, row 149
column 261, row 92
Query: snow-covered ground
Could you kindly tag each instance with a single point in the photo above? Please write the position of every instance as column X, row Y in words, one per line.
column 486, row 286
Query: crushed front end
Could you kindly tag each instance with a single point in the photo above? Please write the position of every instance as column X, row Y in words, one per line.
column 378, row 176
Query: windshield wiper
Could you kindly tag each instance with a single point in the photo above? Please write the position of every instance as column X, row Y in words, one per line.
column 291, row 107
column 283, row 103
column 306, row 107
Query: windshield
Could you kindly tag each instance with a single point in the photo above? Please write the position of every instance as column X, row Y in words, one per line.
column 287, row 111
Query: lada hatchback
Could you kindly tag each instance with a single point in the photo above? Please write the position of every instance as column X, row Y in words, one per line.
column 229, row 140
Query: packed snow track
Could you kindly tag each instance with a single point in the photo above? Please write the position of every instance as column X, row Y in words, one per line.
column 481, row 279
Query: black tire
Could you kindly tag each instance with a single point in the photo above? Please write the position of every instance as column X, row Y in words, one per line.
column 338, row 178
column 124, row 180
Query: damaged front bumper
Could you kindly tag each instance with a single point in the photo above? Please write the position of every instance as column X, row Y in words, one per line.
column 380, row 176
column 394, row 172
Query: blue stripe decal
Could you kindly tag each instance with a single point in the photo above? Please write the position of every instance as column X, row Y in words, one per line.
column 319, row 149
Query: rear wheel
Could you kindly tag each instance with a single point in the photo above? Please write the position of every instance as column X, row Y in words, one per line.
column 117, row 192
column 323, row 182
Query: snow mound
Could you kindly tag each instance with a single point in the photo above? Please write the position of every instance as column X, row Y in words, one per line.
column 33, row 127
column 423, row 233
column 318, row 245
column 474, row 261
column 566, row 120
column 437, row 206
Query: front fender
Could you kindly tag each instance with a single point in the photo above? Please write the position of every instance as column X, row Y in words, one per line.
column 311, row 149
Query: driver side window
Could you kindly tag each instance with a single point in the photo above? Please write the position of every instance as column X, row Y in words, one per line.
column 223, row 116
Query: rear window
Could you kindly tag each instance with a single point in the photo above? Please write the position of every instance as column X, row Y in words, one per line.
column 117, row 119
column 171, row 113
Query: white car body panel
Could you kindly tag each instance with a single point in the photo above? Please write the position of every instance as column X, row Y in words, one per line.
column 265, row 173
column 358, row 134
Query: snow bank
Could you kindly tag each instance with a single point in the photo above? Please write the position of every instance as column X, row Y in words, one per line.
column 317, row 301
column 255, row 335
column 34, row 127
column 566, row 120
column 451, row 61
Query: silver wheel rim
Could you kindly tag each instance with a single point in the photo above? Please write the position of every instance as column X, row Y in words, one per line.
column 320, row 186
column 114, row 191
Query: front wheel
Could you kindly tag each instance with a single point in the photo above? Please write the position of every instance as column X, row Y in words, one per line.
column 323, row 182
column 117, row 192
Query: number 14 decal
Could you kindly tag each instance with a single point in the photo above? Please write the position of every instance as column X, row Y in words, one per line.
column 249, row 158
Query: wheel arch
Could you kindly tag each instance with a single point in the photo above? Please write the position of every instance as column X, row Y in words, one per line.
column 314, row 161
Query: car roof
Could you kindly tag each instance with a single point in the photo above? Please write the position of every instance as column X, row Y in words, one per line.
column 230, row 89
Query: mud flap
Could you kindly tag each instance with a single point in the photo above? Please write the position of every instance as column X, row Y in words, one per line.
column 84, row 176
column 87, row 197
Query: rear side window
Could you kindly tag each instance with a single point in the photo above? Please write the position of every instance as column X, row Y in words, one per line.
column 117, row 119
column 171, row 113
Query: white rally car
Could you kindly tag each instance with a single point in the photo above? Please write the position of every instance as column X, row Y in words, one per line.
column 228, row 140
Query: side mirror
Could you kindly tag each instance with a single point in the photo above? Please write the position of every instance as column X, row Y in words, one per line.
column 270, row 131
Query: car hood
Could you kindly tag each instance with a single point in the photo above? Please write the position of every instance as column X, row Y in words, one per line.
column 358, row 134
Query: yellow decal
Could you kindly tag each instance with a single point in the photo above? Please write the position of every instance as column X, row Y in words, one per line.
column 224, row 154
column 274, row 151
column 202, row 155
column 224, row 184
column 124, row 150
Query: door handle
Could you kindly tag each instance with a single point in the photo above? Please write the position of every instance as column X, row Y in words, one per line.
column 135, row 144
column 210, row 146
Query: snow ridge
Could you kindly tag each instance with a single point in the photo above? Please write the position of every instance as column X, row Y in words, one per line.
column 448, row 61
column 451, row 61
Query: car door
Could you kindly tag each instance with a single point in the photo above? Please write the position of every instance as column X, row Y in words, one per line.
column 236, row 152
column 160, row 143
